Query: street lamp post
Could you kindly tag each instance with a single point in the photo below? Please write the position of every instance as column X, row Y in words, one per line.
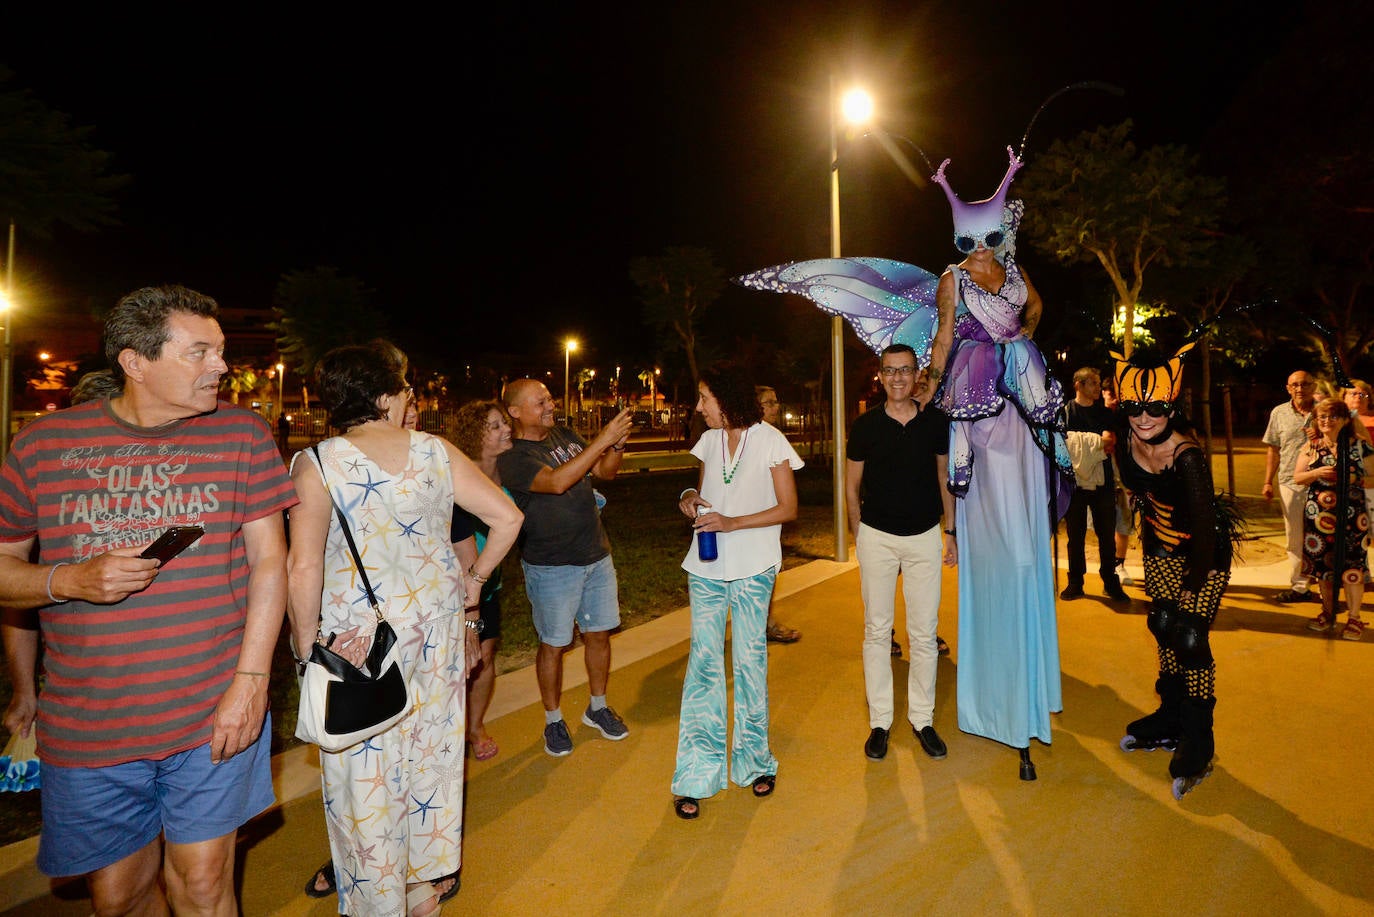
column 568, row 347
column 653, row 399
column 856, row 107
column 281, row 389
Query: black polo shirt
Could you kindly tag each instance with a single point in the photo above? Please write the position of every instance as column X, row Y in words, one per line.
column 899, row 493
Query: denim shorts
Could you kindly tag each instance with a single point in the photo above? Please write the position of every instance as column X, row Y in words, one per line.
column 94, row 817
column 564, row 594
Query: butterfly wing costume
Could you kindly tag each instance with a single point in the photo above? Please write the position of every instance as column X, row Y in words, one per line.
column 1011, row 467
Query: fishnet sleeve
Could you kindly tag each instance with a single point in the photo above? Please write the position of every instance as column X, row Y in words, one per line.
column 1195, row 493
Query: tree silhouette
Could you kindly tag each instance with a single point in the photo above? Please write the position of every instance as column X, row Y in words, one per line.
column 49, row 171
column 1098, row 198
column 677, row 288
column 320, row 309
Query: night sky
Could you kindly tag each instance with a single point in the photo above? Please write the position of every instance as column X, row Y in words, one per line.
column 490, row 175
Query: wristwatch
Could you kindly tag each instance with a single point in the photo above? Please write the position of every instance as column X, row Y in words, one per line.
column 479, row 625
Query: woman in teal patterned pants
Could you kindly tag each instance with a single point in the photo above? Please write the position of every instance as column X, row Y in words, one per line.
column 746, row 492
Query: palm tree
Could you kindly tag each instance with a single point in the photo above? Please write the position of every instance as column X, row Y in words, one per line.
column 239, row 379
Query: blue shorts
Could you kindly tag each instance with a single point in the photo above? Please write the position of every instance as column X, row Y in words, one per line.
column 94, row 817
column 564, row 594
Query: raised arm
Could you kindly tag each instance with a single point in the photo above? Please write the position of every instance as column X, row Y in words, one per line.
column 601, row 458
column 1030, row 315
column 946, row 298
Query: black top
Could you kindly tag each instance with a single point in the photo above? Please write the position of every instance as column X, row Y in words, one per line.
column 463, row 525
column 899, row 493
column 1180, row 512
column 560, row 529
column 1094, row 418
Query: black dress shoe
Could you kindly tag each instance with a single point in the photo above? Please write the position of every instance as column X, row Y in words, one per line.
column 876, row 747
column 930, row 740
column 1072, row 592
column 1117, row 594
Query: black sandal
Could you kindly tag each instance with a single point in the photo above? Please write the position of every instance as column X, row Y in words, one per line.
column 681, row 804
column 764, row 785
column 453, row 889
column 325, row 872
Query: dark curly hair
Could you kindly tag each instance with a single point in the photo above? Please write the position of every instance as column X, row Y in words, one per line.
column 470, row 426
column 350, row 379
column 733, row 386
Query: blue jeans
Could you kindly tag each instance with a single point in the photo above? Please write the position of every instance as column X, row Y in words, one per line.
column 561, row 595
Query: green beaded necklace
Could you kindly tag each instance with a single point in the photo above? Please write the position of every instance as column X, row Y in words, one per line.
column 729, row 475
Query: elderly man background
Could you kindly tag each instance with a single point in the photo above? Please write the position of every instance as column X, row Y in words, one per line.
column 1285, row 436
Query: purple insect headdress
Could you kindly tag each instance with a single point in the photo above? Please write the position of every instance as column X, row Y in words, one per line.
column 989, row 223
column 992, row 223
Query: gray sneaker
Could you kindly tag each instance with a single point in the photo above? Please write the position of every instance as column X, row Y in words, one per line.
column 606, row 722
column 557, row 741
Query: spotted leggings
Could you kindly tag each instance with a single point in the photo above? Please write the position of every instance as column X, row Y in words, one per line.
column 1189, row 658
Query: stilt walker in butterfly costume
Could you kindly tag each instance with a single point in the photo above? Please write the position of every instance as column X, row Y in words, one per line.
column 1008, row 461
column 1186, row 534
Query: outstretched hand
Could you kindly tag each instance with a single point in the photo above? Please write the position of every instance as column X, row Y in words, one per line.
column 617, row 431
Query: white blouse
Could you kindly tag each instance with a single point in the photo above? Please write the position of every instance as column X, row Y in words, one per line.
column 744, row 552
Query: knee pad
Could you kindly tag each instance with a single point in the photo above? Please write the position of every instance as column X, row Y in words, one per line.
column 1189, row 642
column 1162, row 615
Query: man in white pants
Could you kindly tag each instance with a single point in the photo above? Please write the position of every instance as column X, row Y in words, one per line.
column 895, row 481
column 1285, row 436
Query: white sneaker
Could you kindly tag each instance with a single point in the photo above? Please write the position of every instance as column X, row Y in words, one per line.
column 1121, row 574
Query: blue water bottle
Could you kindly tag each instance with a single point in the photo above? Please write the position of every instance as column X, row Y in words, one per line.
column 706, row 541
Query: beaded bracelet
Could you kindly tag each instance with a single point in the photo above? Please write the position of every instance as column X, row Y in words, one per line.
column 475, row 576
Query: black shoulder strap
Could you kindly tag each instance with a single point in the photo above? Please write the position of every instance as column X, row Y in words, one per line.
column 348, row 536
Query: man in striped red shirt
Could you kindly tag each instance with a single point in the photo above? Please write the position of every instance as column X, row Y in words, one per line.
column 151, row 722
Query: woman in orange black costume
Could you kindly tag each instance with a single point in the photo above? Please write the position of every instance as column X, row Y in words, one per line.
column 1186, row 536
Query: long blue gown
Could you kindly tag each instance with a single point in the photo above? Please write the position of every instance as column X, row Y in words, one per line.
column 1006, row 458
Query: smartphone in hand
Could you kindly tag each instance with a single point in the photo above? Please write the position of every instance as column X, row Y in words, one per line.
column 173, row 541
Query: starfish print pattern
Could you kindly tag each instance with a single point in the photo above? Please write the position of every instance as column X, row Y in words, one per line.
column 395, row 802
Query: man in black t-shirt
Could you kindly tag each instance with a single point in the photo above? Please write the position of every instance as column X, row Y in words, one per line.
column 895, row 485
column 564, row 552
column 1091, row 441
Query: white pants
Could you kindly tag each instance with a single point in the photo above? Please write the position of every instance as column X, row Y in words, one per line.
column 917, row 558
column 1294, row 501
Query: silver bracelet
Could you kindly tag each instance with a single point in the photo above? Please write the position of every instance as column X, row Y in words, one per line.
column 52, row 599
column 690, row 490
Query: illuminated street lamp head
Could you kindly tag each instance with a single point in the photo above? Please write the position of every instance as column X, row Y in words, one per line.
column 570, row 345
column 281, row 367
column 857, row 106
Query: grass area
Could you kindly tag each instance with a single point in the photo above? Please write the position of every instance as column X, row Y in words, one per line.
column 649, row 538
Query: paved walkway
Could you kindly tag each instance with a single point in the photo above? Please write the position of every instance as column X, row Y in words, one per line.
column 1283, row 825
